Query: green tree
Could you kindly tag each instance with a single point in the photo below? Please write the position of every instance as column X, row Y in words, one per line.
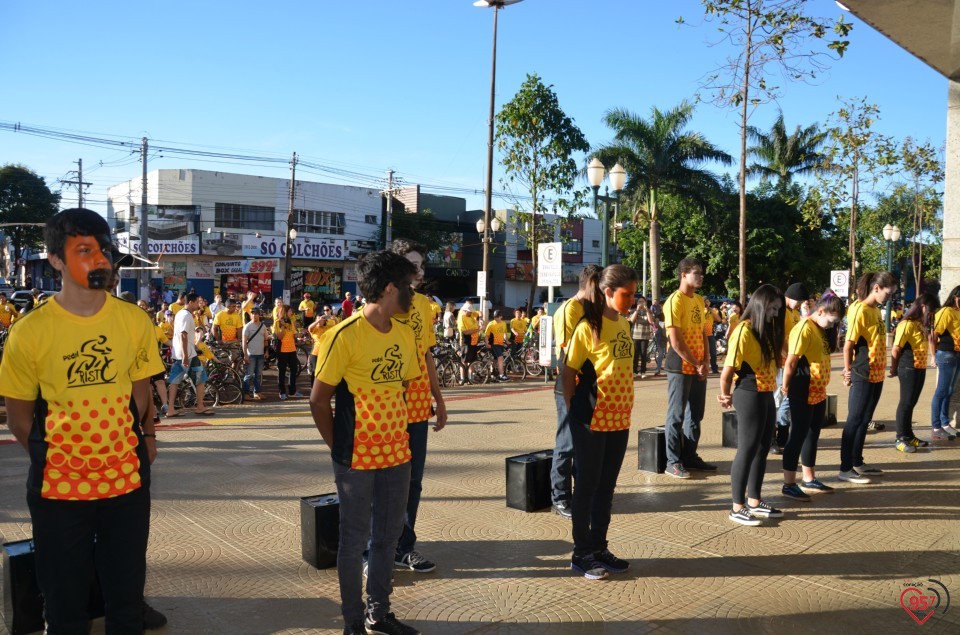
column 771, row 39
column 923, row 168
column 856, row 158
column 660, row 157
column 781, row 156
column 538, row 143
column 25, row 202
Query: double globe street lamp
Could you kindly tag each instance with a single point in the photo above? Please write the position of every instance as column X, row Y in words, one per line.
column 618, row 178
column 891, row 234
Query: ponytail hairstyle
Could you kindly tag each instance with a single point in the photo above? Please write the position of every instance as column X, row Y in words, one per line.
column 868, row 281
column 863, row 286
column 613, row 277
column 593, row 301
column 831, row 303
column 768, row 333
column 916, row 310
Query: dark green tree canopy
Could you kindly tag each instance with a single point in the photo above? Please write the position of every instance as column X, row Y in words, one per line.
column 25, row 198
column 780, row 156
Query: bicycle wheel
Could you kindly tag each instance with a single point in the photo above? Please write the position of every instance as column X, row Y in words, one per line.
column 230, row 392
column 303, row 356
column 448, row 373
column 514, row 369
column 532, row 362
column 186, row 396
column 480, row 372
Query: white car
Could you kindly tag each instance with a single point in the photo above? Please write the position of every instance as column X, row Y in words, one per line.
column 475, row 299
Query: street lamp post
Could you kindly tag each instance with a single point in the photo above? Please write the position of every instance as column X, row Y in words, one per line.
column 891, row 234
column 486, row 230
column 488, row 195
column 618, row 178
column 291, row 236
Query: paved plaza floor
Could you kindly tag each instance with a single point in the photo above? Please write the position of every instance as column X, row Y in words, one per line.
column 224, row 554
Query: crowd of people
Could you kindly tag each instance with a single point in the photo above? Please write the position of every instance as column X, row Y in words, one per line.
column 87, row 420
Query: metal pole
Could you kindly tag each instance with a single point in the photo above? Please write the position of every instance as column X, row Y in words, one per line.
column 144, row 277
column 286, row 251
column 644, row 275
column 389, row 228
column 890, row 269
column 488, row 196
column 604, row 231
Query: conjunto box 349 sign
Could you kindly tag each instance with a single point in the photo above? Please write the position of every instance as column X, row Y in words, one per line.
column 223, row 267
column 308, row 248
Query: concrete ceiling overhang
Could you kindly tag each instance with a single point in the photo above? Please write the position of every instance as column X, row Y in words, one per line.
column 929, row 29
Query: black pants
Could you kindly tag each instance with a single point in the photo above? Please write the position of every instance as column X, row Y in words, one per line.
column 756, row 416
column 74, row 538
column 806, row 421
column 640, row 350
column 864, row 397
column 598, row 457
column 712, row 347
column 911, row 385
column 287, row 361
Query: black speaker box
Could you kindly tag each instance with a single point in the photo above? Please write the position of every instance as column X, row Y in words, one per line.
column 652, row 450
column 528, row 481
column 830, row 418
column 22, row 602
column 729, row 438
column 320, row 530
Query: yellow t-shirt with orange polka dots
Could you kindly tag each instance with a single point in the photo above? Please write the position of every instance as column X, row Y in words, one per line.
column 8, row 313
column 865, row 329
column 743, row 355
column 369, row 369
column 85, row 442
column 287, row 334
column 317, row 331
column 466, row 321
column 565, row 322
column 611, row 358
column 229, row 325
column 687, row 314
column 420, row 319
column 520, row 326
column 808, row 341
column 910, row 335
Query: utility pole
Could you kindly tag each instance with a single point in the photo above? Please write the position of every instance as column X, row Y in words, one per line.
column 388, row 230
column 287, row 297
column 79, row 182
column 144, row 276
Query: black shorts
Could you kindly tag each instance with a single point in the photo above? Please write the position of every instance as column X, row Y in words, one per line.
column 470, row 352
column 497, row 351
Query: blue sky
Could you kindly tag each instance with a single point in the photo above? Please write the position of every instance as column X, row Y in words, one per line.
column 376, row 84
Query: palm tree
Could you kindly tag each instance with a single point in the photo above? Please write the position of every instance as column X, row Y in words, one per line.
column 659, row 157
column 783, row 156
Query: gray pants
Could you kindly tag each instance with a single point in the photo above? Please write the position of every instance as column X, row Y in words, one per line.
column 686, row 397
column 372, row 507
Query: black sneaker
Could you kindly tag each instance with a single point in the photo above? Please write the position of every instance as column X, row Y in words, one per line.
column 414, row 561
column 744, row 517
column 356, row 628
column 388, row 625
column 152, row 618
column 699, row 465
column 563, row 509
column 764, row 510
column 589, row 566
column 610, row 562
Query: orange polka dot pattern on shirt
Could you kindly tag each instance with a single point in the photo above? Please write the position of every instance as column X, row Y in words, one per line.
column 687, row 315
column 614, row 400
column 380, row 439
column 867, row 325
column 418, row 396
column 92, row 450
column 808, row 341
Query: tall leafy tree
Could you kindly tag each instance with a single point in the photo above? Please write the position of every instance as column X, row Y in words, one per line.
column 922, row 166
column 770, row 39
column 539, row 145
column 25, row 202
column 781, row 156
column 855, row 159
column 660, row 157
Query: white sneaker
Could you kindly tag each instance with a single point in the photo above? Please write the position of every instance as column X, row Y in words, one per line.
column 944, row 434
column 853, row 477
column 867, row 470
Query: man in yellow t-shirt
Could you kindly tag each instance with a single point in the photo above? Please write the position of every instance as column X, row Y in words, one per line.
column 469, row 327
column 8, row 312
column 496, row 337
column 227, row 323
column 518, row 328
column 308, row 307
column 420, row 395
column 365, row 362
column 179, row 304
column 249, row 303
column 686, row 367
column 82, row 417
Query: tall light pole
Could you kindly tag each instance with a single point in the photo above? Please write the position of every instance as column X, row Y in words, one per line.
column 618, row 178
column 891, row 234
column 488, row 195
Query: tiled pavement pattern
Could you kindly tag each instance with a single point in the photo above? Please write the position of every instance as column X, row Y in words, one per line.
column 224, row 551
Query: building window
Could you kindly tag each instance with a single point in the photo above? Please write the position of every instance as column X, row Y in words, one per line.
column 237, row 216
column 572, row 246
column 596, row 244
column 318, row 222
column 370, row 219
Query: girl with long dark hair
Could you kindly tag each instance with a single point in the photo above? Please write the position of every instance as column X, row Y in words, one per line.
column 946, row 340
column 598, row 392
column 908, row 362
column 805, row 378
column 864, row 367
column 753, row 355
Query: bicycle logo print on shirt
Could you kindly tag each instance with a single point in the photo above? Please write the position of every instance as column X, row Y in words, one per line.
column 91, row 365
